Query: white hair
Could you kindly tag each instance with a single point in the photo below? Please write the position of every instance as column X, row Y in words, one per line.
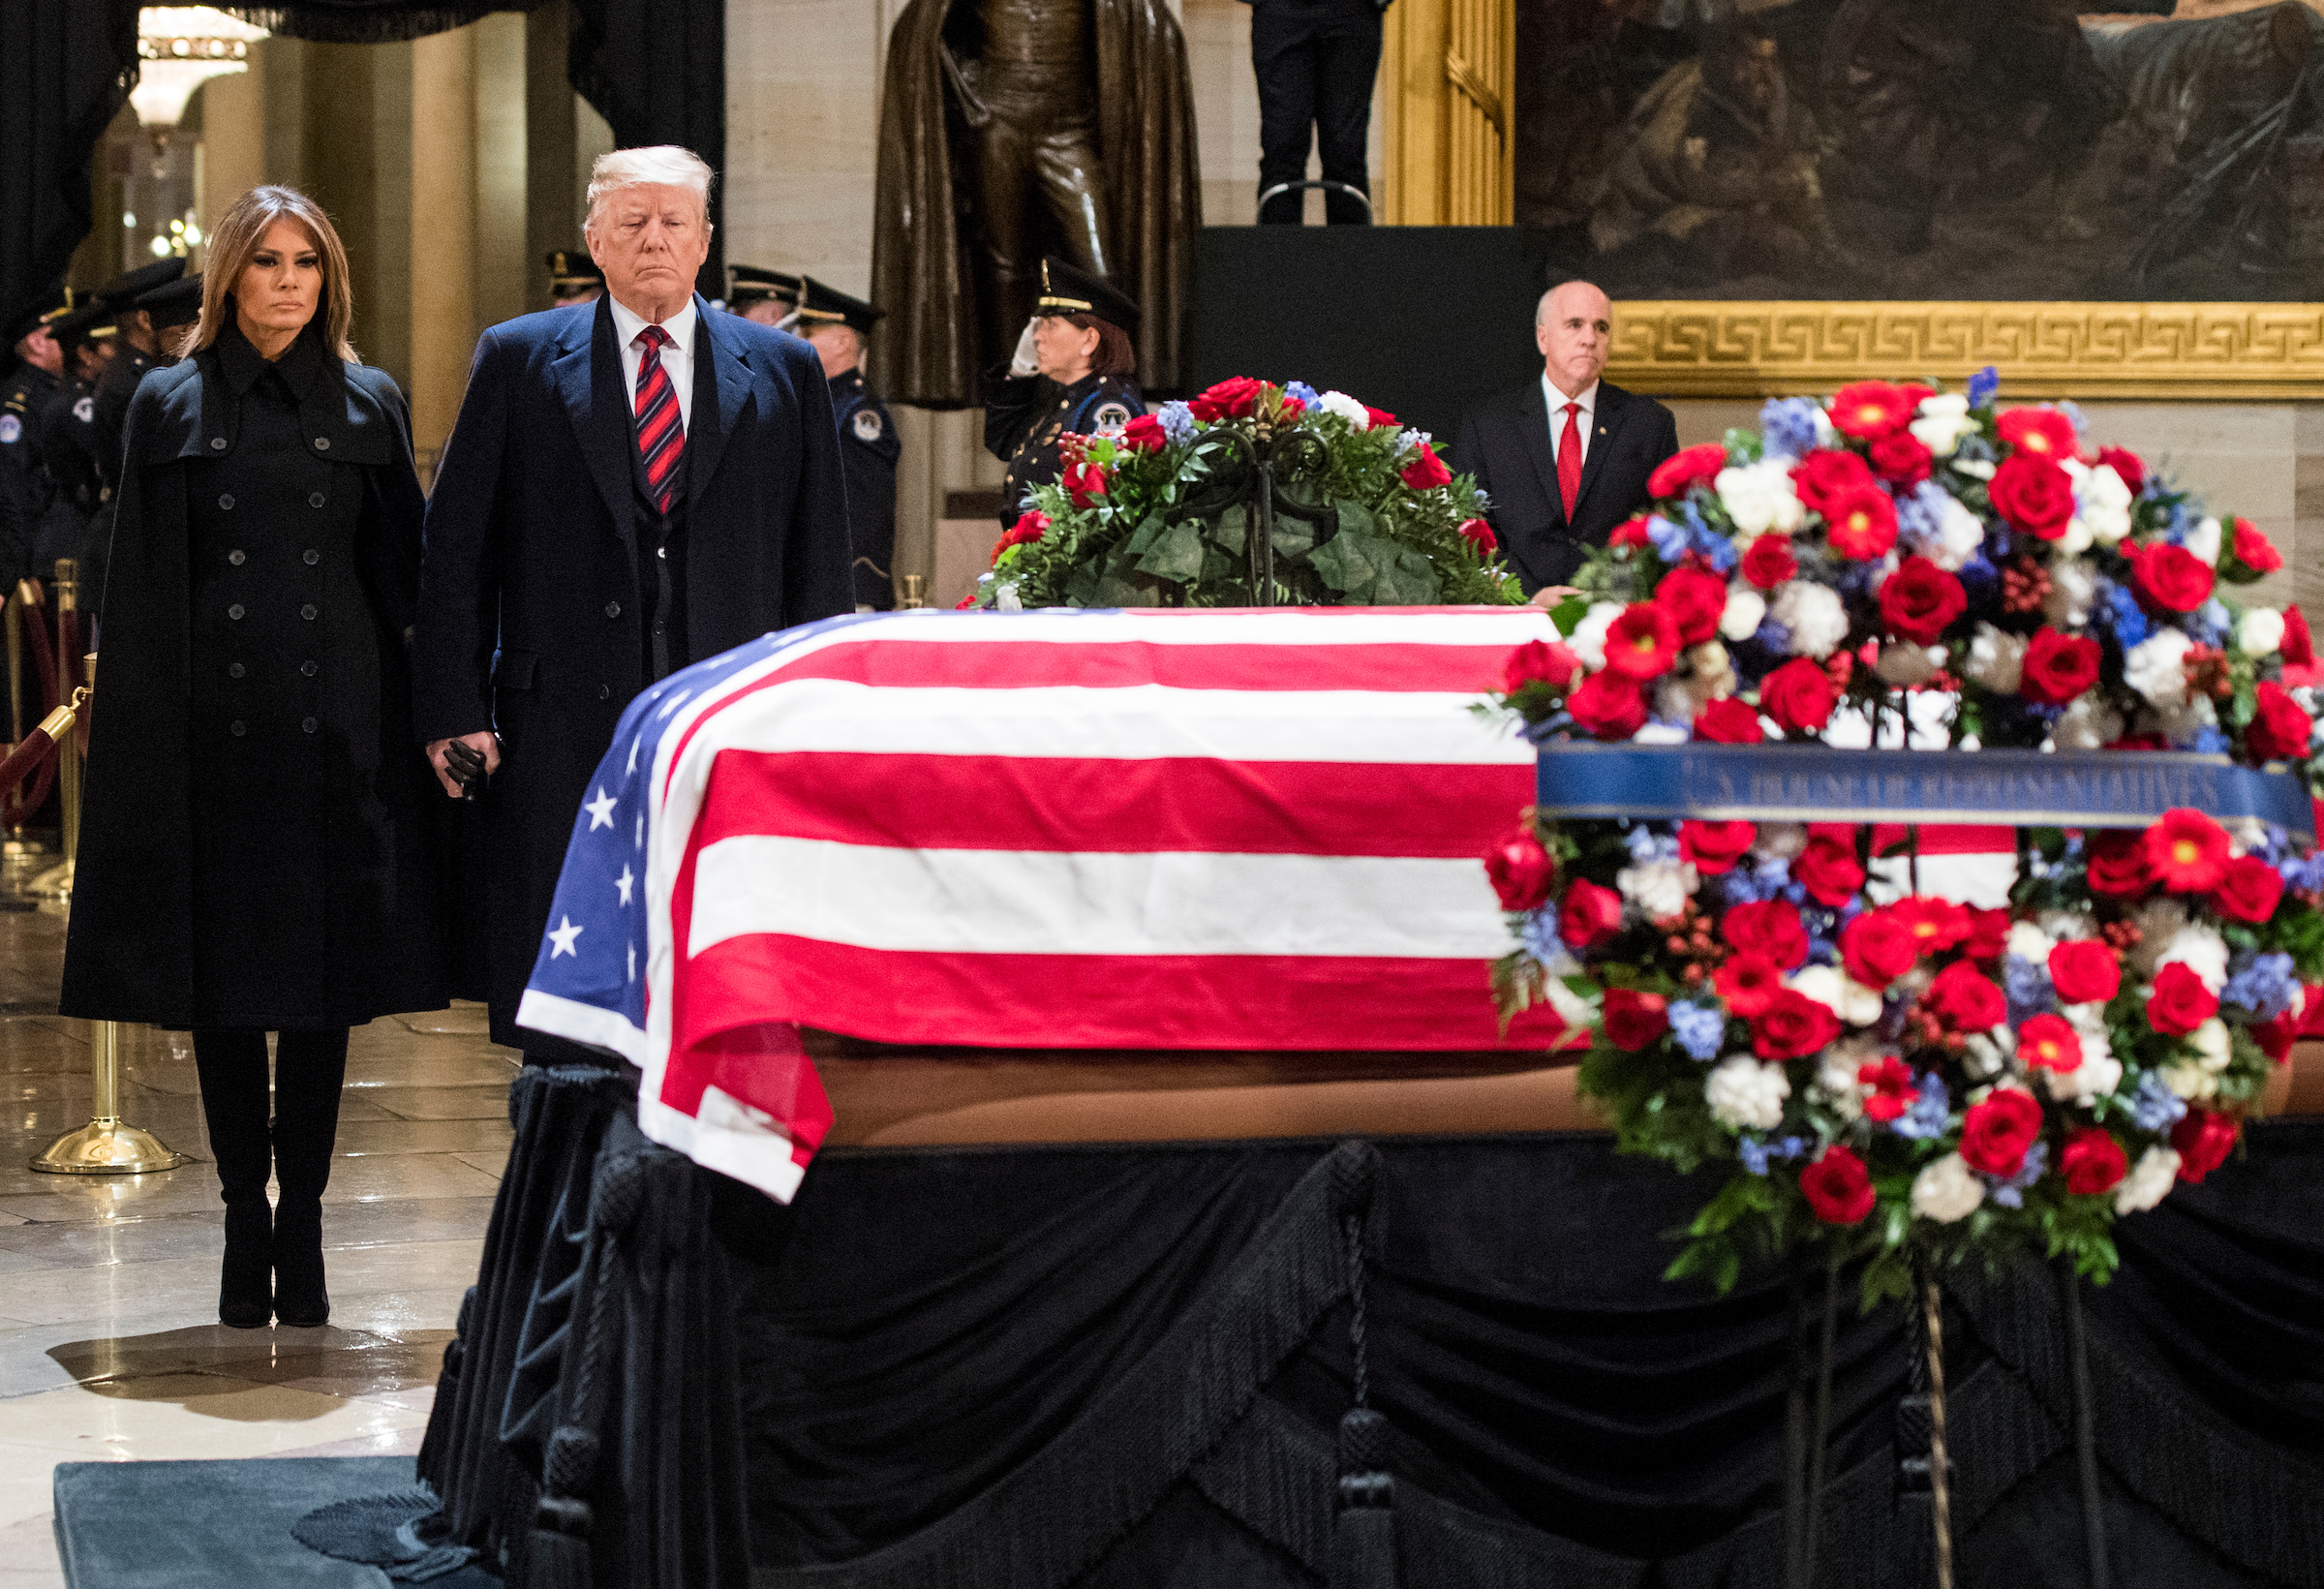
column 663, row 164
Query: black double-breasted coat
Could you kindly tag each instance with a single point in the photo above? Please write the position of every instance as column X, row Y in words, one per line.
column 257, row 848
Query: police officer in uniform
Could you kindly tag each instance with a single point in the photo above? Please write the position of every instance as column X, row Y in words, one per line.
column 1076, row 372
column 140, row 300
column 68, row 435
column 25, row 496
column 767, row 296
column 836, row 325
column 573, row 277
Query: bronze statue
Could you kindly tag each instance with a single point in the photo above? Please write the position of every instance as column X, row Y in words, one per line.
column 1011, row 129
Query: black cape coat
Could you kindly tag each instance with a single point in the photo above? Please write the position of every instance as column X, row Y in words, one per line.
column 132, row 950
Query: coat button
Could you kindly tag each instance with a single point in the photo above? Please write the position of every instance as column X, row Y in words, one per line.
column 235, row 670
column 237, row 728
column 235, row 612
column 312, row 558
column 235, row 557
column 306, row 671
column 307, row 612
column 322, row 443
column 309, row 724
column 613, row 609
column 226, row 502
column 604, row 692
column 217, row 443
column 317, row 499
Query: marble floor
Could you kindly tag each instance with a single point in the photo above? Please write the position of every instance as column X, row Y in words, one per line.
column 109, row 1344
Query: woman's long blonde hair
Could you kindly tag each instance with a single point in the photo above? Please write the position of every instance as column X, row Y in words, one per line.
column 240, row 234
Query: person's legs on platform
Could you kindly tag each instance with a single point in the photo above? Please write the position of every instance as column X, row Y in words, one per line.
column 1283, row 57
column 309, row 1072
column 1348, row 61
column 232, row 1066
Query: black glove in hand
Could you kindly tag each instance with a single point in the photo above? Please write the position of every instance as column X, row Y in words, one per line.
column 466, row 763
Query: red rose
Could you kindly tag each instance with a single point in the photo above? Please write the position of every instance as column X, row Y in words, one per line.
column 1964, row 999
column 1770, row 928
column 1901, row 459
column 1608, row 705
column 2299, row 648
column 1630, row 531
column 2034, row 494
column 2117, row 864
column 1892, row 1090
column 1589, row 914
column 2278, row 730
column 1728, row 721
column 2171, row 577
column 1231, row 399
column 2276, row 1037
column 1694, row 598
column 2044, row 431
column 2249, row 889
column 1539, row 661
column 1085, row 482
column 1426, row 470
column 1642, row 643
column 1480, row 535
column 1749, row 983
column 2180, row 1002
column 1876, row 948
column 2187, row 851
column 1937, row 925
column 2085, row 971
column 1769, row 561
column 1379, row 419
column 2092, row 1161
column 1827, row 870
column 1791, row 1026
column 1827, row 476
column 2203, row 1136
column 1921, row 600
column 1714, row 847
column 1633, row 1019
column 1869, row 408
column 2125, row 465
column 2254, row 550
column 2057, row 668
column 1995, row 1134
column 2049, row 1042
column 1798, row 695
column 1685, row 468
column 1861, row 525
column 1029, row 527
column 1836, row 1186
column 1144, row 434
column 1521, row 870
column 1988, row 936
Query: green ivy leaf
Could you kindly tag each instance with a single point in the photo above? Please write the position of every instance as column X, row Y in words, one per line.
column 1176, row 554
column 1232, row 532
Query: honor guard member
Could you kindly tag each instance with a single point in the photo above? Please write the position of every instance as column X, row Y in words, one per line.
column 573, row 277
column 1076, row 371
column 68, row 454
column 768, row 296
column 142, row 308
column 24, row 493
column 837, row 326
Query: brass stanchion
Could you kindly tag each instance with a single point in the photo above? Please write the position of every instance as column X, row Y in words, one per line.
column 19, row 845
column 56, row 883
column 911, row 598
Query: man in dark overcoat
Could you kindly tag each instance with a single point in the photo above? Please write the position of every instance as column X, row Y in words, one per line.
column 632, row 485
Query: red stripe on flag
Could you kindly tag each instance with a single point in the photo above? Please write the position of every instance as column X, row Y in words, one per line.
column 892, row 663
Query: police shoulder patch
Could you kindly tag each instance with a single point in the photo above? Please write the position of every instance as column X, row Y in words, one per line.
column 1109, row 420
column 868, row 426
column 11, row 427
column 85, row 410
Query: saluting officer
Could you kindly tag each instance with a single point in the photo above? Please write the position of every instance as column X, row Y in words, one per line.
column 573, row 277
column 837, row 324
column 768, row 296
column 1076, row 371
column 68, row 454
column 25, row 490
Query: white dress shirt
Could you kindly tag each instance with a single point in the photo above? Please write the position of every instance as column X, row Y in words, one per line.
column 677, row 358
column 1557, row 401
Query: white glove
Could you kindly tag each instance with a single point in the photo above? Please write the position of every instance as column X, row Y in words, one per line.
column 1026, row 361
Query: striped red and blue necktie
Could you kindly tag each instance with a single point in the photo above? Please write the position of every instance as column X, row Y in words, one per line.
column 660, row 436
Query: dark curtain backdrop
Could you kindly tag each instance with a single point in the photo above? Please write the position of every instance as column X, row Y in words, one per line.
column 656, row 69
column 66, row 68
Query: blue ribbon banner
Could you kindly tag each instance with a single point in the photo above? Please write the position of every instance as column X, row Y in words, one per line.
column 2005, row 788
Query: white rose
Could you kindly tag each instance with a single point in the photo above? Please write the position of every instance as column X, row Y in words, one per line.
column 2075, row 539
column 2213, row 1047
column 2027, row 941
column 2156, row 668
column 1758, row 496
column 2260, row 633
column 2104, row 507
column 1746, row 1096
column 1946, row 1190
column 2204, row 541
column 1746, row 610
column 1943, row 420
column 1813, row 615
column 1960, row 537
column 2149, row 1182
column 2073, row 585
column 1659, row 889
column 1905, row 663
column 2087, row 724
column 1346, row 407
column 1855, row 1004
column 1997, row 659
column 1588, row 639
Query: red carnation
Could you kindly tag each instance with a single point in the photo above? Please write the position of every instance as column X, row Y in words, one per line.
column 1869, row 408
column 2034, row 494
column 2092, row 1161
column 1878, row 947
column 1964, row 999
column 1379, row 419
column 1714, row 847
column 1633, row 1019
column 1608, row 705
column 1630, row 531
column 1589, row 914
column 2057, row 668
column 1541, row 662
column 1769, row 561
column 2117, row 864
column 1520, row 869
column 2299, row 648
column 1642, row 643
column 1480, row 535
column 1748, row 983
column 2049, row 1042
column 1798, row 695
column 1995, row 1134
column 1685, row 468
column 2085, row 971
column 2180, row 1002
column 2278, row 730
column 1769, row 928
column 1836, row 1186
column 1085, row 482
column 1695, row 599
column 2249, row 889
column 1728, row 721
column 1988, row 933
column 1861, row 525
column 1426, row 470
column 1901, row 459
column 1828, row 869
column 2203, row 1138
column 1827, row 476
column 2044, row 431
column 1921, row 600
column 1892, row 1091
column 1230, row 399
column 2187, row 851
column 1791, row 1026
column 2254, row 550
column 1144, row 434
column 1937, row 925
column 2171, row 577
column 2125, row 465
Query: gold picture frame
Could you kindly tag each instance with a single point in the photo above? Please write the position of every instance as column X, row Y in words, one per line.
column 1698, row 347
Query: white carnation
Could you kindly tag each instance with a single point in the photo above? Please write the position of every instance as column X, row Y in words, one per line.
column 1946, row 1190
column 2201, row 949
column 2156, row 668
column 2087, row 724
column 1745, row 1094
column 1659, row 889
column 1997, row 659
column 2149, row 1182
column 2099, row 1075
column 2204, row 541
column 1905, row 663
column 2073, row 585
column 1814, row 616
column 1758, row 496
column 2104, row 504
column 1942, row 422
column 1855, row 1004
column 1341, row 406
column 1746, row 610
column 1588, row 639
column 1960, row 535
column 2260, row 633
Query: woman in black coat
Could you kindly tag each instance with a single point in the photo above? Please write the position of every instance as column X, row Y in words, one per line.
column 255, row 850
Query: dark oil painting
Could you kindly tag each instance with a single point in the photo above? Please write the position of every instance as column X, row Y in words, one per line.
column 1925, row 149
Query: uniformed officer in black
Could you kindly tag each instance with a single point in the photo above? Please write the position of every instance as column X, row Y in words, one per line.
column 68, row 454
column 838, row 325
column 1076, row 371
column 25, row 496
column 573, row 277
column 141, row 301
column 767, row 296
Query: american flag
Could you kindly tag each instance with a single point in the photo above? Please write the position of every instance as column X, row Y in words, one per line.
column 1254, row 829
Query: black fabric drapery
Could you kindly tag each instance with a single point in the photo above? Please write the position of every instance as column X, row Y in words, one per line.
column 656, row 69
column 66, row 70
column 369, row 21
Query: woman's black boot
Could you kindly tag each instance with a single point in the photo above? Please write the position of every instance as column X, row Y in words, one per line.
column 300, row 1298
column 245, row 1296
column 232, row 1065
column 309, row 1069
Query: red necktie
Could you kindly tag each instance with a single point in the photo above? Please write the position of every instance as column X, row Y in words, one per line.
column 1569, row 459
column 661, row 437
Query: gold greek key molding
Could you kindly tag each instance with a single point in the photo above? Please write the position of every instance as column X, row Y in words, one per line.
column 1693, row 348
column 1463, row 77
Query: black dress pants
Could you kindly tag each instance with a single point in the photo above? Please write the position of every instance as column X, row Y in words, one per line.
column 308, row 1070
column 1315, row 61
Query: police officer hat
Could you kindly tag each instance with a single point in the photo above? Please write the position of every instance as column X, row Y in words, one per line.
column 1067, row 290
column 571, row 270
column 124, row 290
column 91, row 322
column 818, row 302
column 49, row 308
column 748, row 285
column 176, row 303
